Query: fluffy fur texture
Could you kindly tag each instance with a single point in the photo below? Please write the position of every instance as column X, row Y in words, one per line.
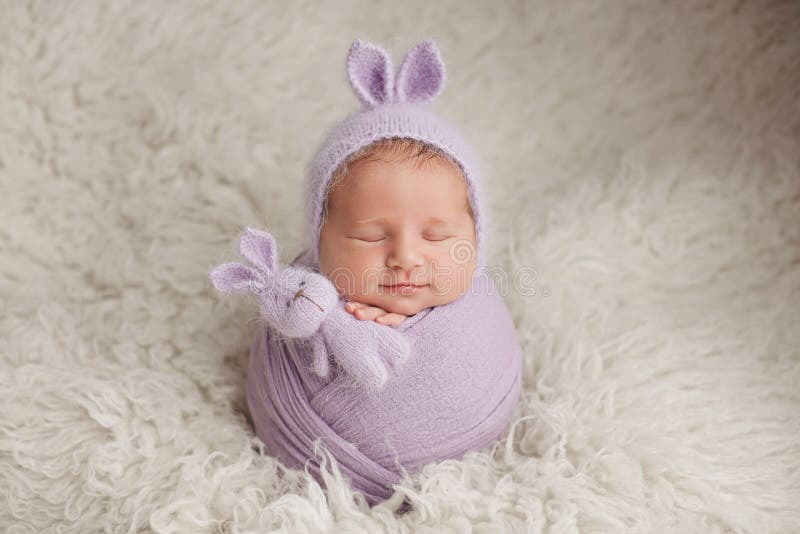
column 642, row 158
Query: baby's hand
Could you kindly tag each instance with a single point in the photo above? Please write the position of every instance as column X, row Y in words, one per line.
column 379, row 315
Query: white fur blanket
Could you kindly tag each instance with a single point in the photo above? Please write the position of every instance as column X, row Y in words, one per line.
column 643, row 161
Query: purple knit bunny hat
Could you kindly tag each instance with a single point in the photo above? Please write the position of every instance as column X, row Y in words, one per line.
column 393, row 106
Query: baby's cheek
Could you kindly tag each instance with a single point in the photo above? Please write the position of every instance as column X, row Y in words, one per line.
column 356, row 278
column 452, row 281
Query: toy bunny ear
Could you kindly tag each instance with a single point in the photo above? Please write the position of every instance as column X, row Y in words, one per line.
column 421, row 76
column 231, row 277
column 369, row 69
column 259, row 248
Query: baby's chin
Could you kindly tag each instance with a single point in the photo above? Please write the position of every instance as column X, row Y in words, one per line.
column 402, row 305
column 408, row 305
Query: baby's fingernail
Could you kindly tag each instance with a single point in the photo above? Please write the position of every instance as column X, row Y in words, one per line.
column 381, row 320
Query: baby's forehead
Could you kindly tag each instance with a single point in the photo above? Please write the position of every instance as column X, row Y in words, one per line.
column 364, row 174
column 369, row 178
column 393, row 212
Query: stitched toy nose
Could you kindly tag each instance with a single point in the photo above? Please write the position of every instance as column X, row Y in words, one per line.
column 300, row 293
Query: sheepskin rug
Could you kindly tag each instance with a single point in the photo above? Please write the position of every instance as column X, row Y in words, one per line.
column 643, row 169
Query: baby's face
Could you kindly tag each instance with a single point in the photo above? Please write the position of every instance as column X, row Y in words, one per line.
column 394, row 222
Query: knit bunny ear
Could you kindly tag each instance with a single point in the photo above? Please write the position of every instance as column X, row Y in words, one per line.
column 259, row 248
column 421, row 76
column 369, row 69
column 232, row 278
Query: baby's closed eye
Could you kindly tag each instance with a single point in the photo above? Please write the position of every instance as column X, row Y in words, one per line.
column 379, row 238
column 438, row 237
column 369, row 239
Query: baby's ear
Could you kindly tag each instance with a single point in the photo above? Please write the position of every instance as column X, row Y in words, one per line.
column 421, row 76
column 259, row 248
column 369, row 69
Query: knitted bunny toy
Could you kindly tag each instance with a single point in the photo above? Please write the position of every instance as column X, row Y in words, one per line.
column 300, row 303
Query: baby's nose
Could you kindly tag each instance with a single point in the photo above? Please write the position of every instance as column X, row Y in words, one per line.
column 404, row 266
column 405, row 256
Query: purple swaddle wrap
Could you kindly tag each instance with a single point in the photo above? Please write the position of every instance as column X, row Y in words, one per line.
column 381, row 399
column 443, row 383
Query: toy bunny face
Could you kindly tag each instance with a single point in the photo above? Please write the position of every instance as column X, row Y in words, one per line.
column 293, row 299
column 297, row 300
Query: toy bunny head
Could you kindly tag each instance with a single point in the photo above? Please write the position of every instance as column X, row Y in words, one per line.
column 295, row 300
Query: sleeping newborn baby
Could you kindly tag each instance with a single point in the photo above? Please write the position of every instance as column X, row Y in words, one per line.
column 384, row 345
column 394, row 214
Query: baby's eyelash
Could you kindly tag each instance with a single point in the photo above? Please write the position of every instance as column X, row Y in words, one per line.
column 436, row 238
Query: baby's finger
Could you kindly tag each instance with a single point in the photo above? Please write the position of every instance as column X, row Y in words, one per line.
column 368, row 313
column 391, row 319
column 352, row 306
